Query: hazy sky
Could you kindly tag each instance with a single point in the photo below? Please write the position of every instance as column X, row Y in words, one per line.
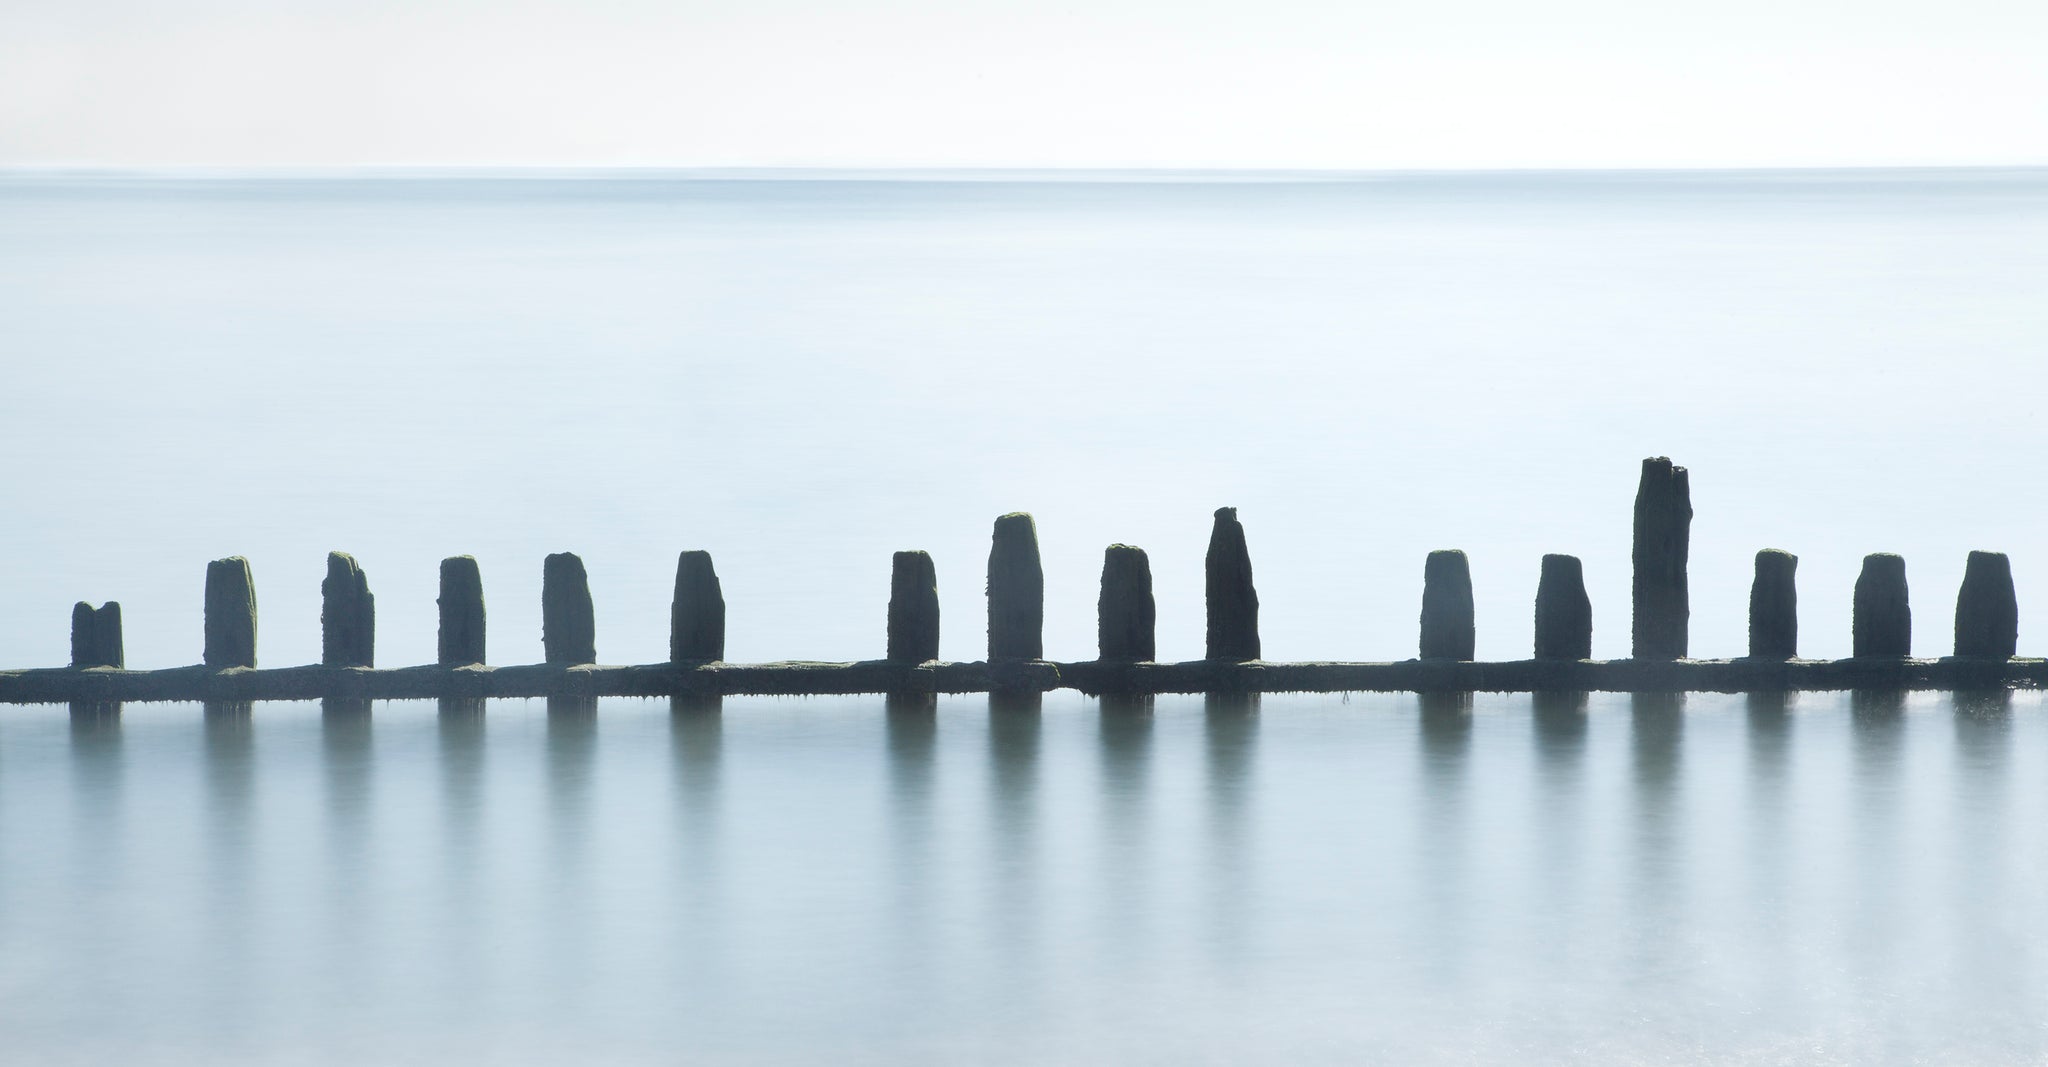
column 1280, row 83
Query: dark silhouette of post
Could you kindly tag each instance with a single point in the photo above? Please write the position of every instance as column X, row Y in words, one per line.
column 462, row 612
column 230, row 614
column 1564, row 613
column 1774, row 606
column 348, row 615
column 1883, row 621
column 1016, row 590
column 1232, row 600
column 568, row 623
column 913, row 608
column 1987, row 611
column 696, row 617
column 1663, row 534
column 1125, row 616
column 96, row 635
column 1447, row 630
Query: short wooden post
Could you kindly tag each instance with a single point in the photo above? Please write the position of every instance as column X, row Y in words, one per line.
column 1987, row 611
column 462, row 612
column 696, row 617
column 1883, row 621
column 1774, row 606
column 1447, row 628
column 1564, row 614
column 1663, row 532
column 568, row 623
column 1126, row 616
column 96, row 636
column 1016, row 591
column 230, row 614
column 1233, row 601
column 913, row 608
column 348, row 615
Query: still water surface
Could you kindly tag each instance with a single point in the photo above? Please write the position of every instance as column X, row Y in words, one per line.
column 803, row 377
column 1825, row 878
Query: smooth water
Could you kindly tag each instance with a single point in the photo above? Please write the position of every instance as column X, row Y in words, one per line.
column 805, row 376
column 1705, row 879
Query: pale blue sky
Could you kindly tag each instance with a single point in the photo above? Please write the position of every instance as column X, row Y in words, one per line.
column 1107, row 83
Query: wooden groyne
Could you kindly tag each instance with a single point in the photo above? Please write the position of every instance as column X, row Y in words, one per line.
column 1986, row 634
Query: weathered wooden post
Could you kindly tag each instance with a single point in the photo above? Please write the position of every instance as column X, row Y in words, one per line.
column 96, row 635
column 1564, row 613
column 1663, row 534
column 1126, row 616
column 462, row 612
column 1987, row 611
column 1883, row 621
column 348, row 615
column 568, row 624
column 1016, row 591
column 1233, row 601
column 230, row 614
column 696, row 617
column 1774, row 606
column 1447, row 629
column 913, row 608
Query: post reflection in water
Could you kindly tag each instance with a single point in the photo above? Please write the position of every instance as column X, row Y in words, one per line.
column 1768, row 736
column 696, row 753
column 1124, row 737
column 98, row 841
column 1015, row 729
column 459, row 726
column 571, row 757
column 1558, row 725
column 1230, row 735
column 1443, row 882
column 1656, row 747
column 1877, row 734
column 347, row 768
column 913, row 727
column 1981, row 834
column 230, row 770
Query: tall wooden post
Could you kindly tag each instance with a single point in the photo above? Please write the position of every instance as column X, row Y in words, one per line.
column 1233, row 601
column 1016, row 591
column 230, row 614
column 462, row 612
column 1663, row 532
column 568, row 623
column 348, row 615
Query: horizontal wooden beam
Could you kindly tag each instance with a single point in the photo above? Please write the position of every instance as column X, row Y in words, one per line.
column 199, row 683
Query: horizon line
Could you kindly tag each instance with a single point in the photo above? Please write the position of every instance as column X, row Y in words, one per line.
column 519, row 171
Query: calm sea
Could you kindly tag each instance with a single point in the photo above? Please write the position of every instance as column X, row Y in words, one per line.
column 803, row 376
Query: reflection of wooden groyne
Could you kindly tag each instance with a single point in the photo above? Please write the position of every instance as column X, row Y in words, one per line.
column 1986, row 634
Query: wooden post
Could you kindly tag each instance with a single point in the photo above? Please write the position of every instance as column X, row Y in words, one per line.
column 1987, row 611
column 1774, row 606
column 1126, row 616
column 348, row 616
column 1663, row 531
column 1564, row 614
column 1447, row 629
column 1016, row 591
column 96, row 636
column 462, row 612
column 913, row 609
column 1233, row 601
column 1883, row 620
column 230, row 614
column 696, row 617
column 568, row 623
